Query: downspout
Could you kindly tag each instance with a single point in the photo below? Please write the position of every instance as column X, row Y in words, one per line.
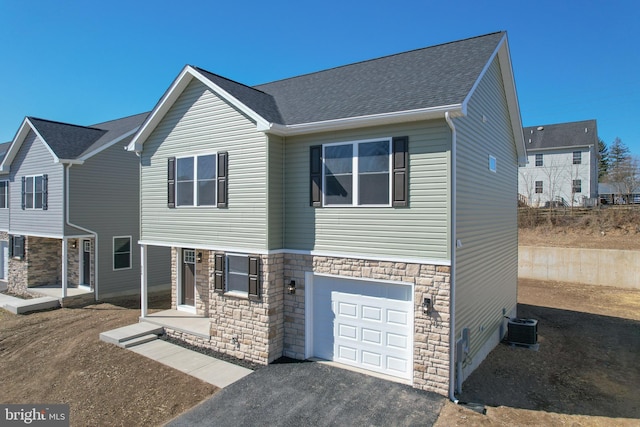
column 452, row 303
column 95, row 235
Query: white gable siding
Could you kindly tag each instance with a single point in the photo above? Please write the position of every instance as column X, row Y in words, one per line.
column 557, row 174
column 201, row 122
column 486, row 263
column 33, row 158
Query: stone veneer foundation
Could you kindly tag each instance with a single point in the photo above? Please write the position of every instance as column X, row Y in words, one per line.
column 273, row 326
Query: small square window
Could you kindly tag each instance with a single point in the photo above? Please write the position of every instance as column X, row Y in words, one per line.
column 492, row 164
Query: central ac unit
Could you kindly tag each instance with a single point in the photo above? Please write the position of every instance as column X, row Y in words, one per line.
column 523, row 331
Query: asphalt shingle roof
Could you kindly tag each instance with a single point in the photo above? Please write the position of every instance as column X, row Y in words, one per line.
column 72, row 141
column 561, row 135
column 431, row 77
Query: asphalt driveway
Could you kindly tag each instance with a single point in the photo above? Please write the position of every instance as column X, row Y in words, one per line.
column 314, row 394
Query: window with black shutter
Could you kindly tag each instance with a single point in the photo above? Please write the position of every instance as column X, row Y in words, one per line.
column 218, row 273
column 17, row 247
column 171, row 182
column 199, row 180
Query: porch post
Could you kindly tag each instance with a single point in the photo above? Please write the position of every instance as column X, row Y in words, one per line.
column 143, row 279
column 65, row 244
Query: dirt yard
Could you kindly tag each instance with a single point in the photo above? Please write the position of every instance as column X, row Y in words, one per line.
column 56, row 357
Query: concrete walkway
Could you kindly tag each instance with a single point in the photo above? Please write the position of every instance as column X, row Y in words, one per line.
column 20, row 306
column 142, row 338
column 205, row 368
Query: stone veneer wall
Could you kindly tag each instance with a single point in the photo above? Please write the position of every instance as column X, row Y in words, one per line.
column 40, row 265
column 431, row 334
column 73, row 266
column 240, row 327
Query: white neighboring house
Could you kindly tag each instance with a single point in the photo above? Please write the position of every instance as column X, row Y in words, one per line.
column 562, row 164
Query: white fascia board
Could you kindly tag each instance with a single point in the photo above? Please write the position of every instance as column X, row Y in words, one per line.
column 172, row 94
column 22, row 133
column 361, row 121
column 508, row 82
column 161, row 108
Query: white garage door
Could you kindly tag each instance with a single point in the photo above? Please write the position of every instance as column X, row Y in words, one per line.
column 364, row 324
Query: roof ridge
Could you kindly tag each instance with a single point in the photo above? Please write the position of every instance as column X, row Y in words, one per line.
column 380, row 57
column 561, row 124
column 63, row 123
column 228, row 79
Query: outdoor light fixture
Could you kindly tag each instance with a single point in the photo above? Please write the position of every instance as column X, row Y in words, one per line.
column 292, row 287
column 199, row 257
column 74, row 245
column 426, row 306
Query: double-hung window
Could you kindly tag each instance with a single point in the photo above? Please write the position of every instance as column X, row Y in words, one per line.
column 577, row 186
column 237, row 274
column 577, row 157
column 538, row 187
column 196, row 180
column 34, row 192
column 4, row 194
column 539, row 161
column 358, row 173
column 121, row 253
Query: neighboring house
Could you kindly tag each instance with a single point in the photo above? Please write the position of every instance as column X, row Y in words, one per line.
column 615, row 193
column 562, row 164
column 68, row 214
column 365, row 214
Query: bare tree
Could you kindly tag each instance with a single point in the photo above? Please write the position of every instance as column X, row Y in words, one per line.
column 528, row 181
column 626, row 178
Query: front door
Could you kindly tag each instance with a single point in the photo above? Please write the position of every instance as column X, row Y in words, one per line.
column 86, row 262
column 188, row 277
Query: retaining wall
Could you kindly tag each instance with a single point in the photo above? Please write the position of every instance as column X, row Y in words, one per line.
column 608, row 267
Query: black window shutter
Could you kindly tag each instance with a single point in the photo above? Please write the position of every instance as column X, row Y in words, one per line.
column 218, row 273
column 315, row 168
column 10, row 246
column 223, row 163
column 254, row 277
column 24, row 191
column 171, row 182
column 400, row 171
column 17, row 247
column 45, row 192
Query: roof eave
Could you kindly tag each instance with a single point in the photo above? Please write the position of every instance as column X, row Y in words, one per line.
column 17, row 142
column 454, row 110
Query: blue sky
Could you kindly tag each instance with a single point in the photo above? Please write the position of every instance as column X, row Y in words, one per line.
column 85, row 62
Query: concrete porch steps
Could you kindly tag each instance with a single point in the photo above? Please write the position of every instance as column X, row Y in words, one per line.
column 21, row 306
column 132, row 335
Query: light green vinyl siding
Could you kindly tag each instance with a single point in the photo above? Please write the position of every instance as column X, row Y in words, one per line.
column 418, row 231
column 486, row 213
column 201, row 122
column 276, row 192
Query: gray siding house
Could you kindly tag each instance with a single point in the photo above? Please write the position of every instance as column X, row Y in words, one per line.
column 364, row 214
column 68, row 214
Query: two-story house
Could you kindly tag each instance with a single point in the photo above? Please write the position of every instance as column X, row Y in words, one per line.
column 562, row 166
column 364, row 214
column 68, row 214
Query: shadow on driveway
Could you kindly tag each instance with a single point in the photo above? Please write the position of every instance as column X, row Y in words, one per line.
column 314, row 394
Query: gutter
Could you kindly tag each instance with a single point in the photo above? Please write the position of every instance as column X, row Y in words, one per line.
column 93, row 233
column 452, row 303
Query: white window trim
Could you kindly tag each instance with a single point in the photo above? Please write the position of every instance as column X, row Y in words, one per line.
column 195, row 181
column 113, row 253
column 6, row 194
column 535, row 160
column 33, row 197
column 493, row 164
column 573, row 157
column 241, row 294
column 355, row 173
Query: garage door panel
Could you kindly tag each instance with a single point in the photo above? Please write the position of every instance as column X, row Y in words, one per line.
column 364, row 324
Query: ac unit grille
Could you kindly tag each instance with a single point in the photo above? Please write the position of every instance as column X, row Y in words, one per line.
column 523, row 331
